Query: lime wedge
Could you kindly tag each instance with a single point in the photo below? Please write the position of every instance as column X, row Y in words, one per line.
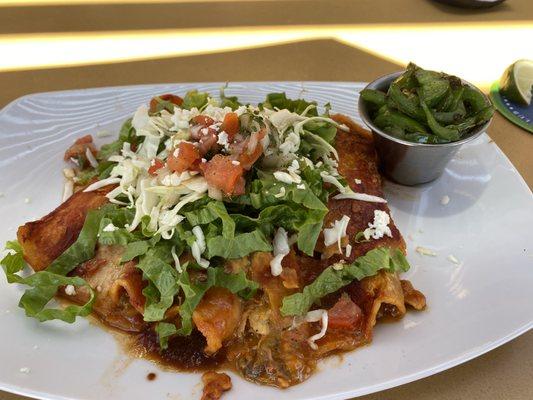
column 516, row 82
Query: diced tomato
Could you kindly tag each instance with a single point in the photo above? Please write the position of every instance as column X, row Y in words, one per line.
column 230, row 125
column 155, row 165
column 345, row 314
column 79, row 148
column 240, row 187
column 203, row 120
column 183, row 157
column 252, row 150
column 222, row 173
column 154, row 103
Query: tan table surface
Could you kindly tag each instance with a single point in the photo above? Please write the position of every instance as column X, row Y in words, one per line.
column 505, row 373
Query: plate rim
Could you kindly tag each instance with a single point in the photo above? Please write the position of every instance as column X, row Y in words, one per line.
column 458, row 360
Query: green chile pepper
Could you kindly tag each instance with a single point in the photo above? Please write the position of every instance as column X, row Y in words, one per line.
column 474, row 98
column 451, row 117
column 477, row 119
column 409, row 105
column 433, row 91
column 373, row 96
column 388, row 118
column 444, row 132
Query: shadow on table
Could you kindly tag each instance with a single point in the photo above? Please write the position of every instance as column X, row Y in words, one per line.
column 183, row 14
column 326, row 60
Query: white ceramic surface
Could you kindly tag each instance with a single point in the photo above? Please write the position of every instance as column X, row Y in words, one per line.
column 472, row 307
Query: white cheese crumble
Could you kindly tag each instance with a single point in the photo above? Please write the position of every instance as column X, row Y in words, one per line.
column 445, row 200
column 281, row 248
column 301, row 186
column 379, row 227
column 223, row 139
column 109, row 228
column 336, row 232
column 425, row 251
column 315, row 316
column 24, row 370
column 181, row 117
column 235, row 162
column 357, row 181
column 291, row 144
column 70, row 290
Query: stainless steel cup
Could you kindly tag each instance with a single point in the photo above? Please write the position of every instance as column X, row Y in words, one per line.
column 406, row 162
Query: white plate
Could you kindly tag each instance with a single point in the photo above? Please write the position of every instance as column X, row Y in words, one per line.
column 473, row 307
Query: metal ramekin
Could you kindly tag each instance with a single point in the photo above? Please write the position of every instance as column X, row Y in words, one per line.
column 406, row 162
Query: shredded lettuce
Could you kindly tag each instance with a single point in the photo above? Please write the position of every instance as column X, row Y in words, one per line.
column 194, row 99
column 127, row 134
column 162, row 288
column 280, row 101
column 135, row 249
column 210, row 212
column 44, row 284
column 239, row 246
column 331, row 279
column 165, row 331
column 228, row 101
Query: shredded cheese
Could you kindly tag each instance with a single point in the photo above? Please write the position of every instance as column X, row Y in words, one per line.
column 90, row 157
column 315, row 316
column 281, row 193
column 359, row 196
column 453, row 259
column 336, row 232
column 68, row 189
column 425, row 251
column 176, row 259
column 348, row 250
column 287, row 178
column 101, row 183
column 198, row 247
column 281, row 248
